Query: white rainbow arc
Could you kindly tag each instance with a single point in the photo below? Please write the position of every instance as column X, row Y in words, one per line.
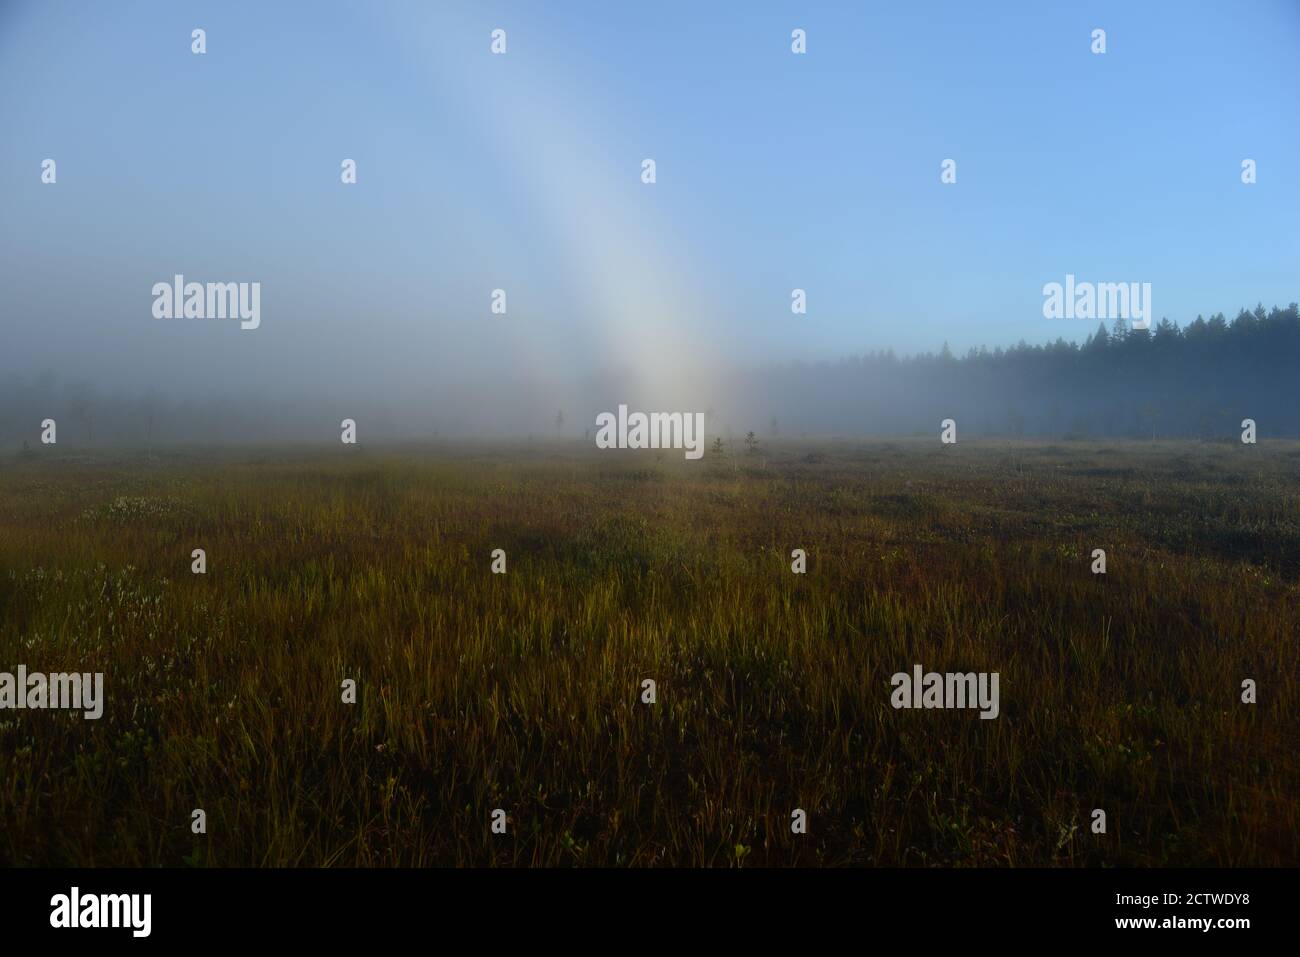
column 611, row 245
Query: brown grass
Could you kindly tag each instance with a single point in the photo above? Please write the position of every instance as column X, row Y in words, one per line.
column 521, row 691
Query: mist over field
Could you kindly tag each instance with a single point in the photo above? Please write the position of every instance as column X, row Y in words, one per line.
column 382, row 176
column 1199, row 382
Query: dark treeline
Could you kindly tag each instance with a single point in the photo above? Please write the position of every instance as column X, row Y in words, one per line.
column 1199, row 381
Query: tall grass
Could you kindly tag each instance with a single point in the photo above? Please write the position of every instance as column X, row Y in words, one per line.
column 522, row 691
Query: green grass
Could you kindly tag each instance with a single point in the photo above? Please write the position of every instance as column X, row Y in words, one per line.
column 521, row 691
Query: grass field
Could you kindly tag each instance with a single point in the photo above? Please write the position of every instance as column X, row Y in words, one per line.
column 522, row 691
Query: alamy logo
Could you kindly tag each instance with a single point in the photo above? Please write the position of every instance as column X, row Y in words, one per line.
column 60, row 691
column 656, row 430
column 179, row 299
column 947, row 690
column 1103, row 300
column 103, row 910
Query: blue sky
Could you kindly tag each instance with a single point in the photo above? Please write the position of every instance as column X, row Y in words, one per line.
column 522, row 172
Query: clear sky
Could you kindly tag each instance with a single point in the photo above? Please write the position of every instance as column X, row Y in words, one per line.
column 522, row 172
